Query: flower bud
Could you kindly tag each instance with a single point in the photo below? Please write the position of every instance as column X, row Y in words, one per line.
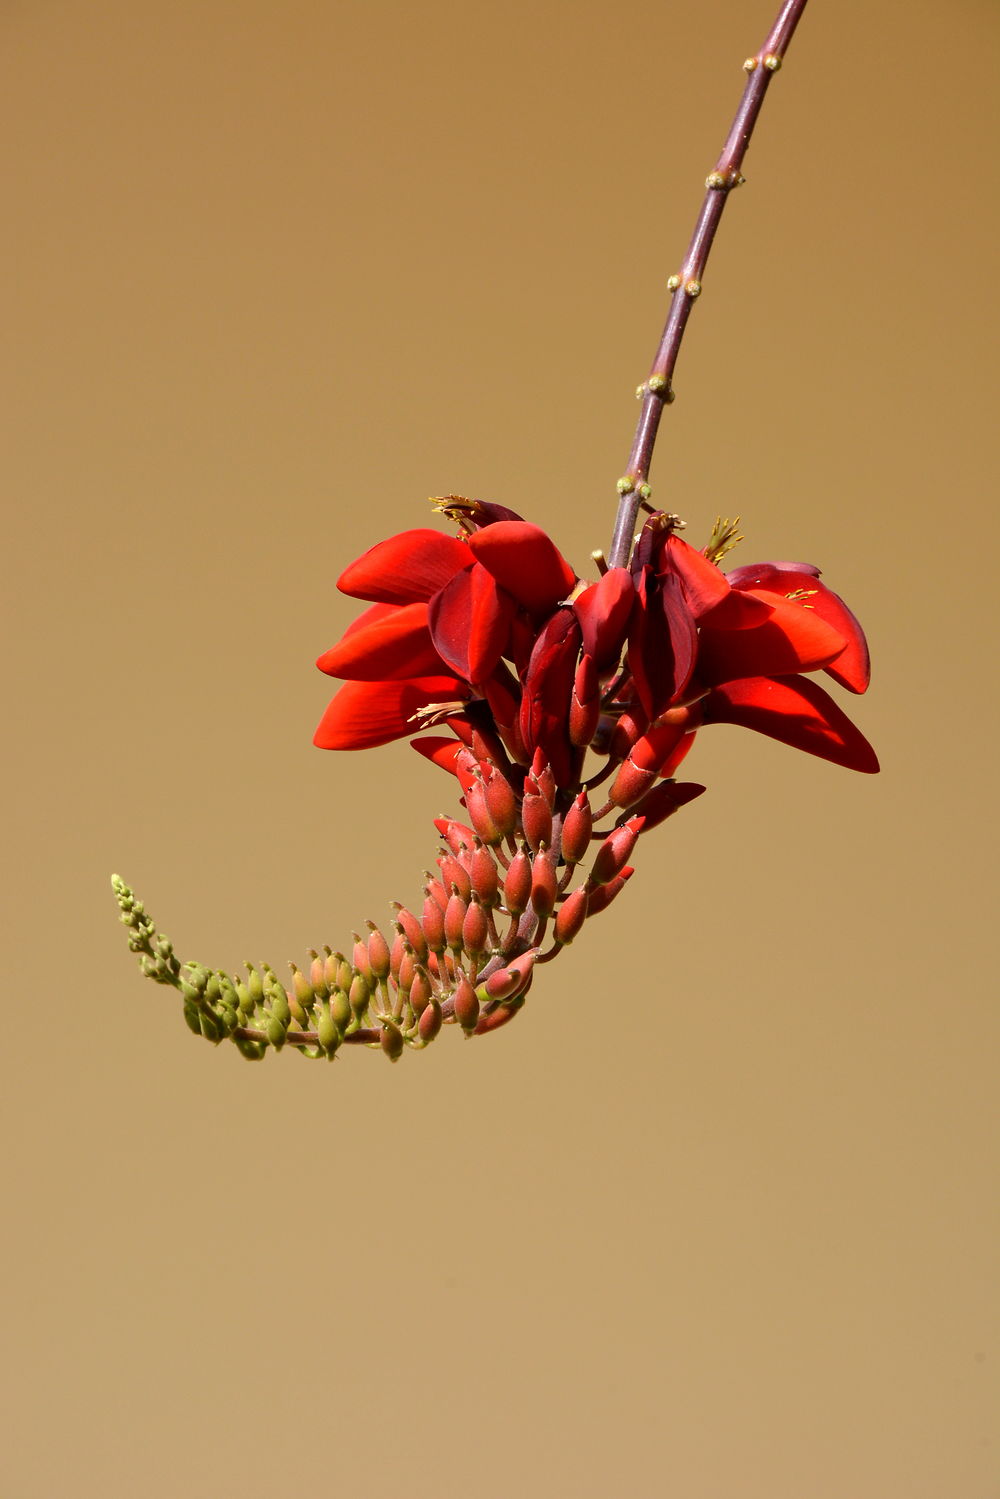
column 341, row 1009
column 536, row 819
column 541, row 770
column 378, row 952
column 391, row 1041
column 517, row 883
column 432, row 925
column 475, row 929
column 614, row 851
column 585, row 703
column 480, row 816
column 455, row 875
column 601, row 898
column 430, row 1020
column 484, row 875
column 327, row 1032
column 505, row 982
column 544, row 885
column 454, row 921
column 455, row 834
column 434, row 888
column 317, row 975
column 630, row 727
column 407, row 968
column 421, row 990
column 571, row 915
column 501, row 803
column 362, row 964
column 466, row 1003
column 414, row 931
column 255, row 986
column 359, row 994
column 578, row 825
column 301, row 998
column 646, row 758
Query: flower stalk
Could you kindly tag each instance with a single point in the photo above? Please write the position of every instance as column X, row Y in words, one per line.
column 685, row 285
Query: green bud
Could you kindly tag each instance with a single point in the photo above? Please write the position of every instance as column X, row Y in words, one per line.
column 210, row 1027
column 255, row 986
column 360, row 994
column 254, row 1051
column 327, row 1030
column 280, row 1008
column 243, row 1000
column 192, row 1016
column 340, row 1009
column 275, row 1032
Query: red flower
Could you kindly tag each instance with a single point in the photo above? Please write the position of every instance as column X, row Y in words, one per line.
column 491, row 631
column 445, row 611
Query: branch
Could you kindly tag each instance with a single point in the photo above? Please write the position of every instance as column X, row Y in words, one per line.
column 657, row 391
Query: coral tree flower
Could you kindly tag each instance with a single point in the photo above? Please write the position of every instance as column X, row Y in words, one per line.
column 492, row 631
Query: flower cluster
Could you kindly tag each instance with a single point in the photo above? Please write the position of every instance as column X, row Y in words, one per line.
column 492, row 633
column 567, row 707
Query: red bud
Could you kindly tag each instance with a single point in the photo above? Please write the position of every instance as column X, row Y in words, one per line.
column 430, row 1020
column 663, row 801
column 501, row 803
column 475, row 929
column 454, row 873
column 601, row 898
column 585, row 704
column 510, row 980
column 454, row 919
column 484, row 874
column 614, row 851
column 572, row 914
column 536, row 819
column 466, row 1003
column 577, row 827
column 544, row 885
column 378, row 952
column 517, row 883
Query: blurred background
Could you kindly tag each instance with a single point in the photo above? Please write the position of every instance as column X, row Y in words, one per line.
column 718, row 1215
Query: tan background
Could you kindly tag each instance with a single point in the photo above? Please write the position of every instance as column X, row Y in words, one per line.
column 717, row 1217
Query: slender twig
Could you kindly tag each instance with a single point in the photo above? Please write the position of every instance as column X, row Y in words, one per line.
column 685, row 286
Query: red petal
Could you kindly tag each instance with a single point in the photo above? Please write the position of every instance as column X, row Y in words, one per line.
column 364, row 714
column 548, row 689
column 795, row 711
column 852, row 668
column 406, row 568
column 704, row 585
column 792, row 639
column 603, row 610
column 395, row 643
column 438, row 750
column 662, row 640
column 470, row 622
column 526, row 562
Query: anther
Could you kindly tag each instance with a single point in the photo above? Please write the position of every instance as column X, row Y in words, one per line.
column 692, row 288
column 772, row 62
column 599, row 560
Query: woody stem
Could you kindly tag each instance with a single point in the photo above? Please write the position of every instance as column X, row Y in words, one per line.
column 685, row 286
